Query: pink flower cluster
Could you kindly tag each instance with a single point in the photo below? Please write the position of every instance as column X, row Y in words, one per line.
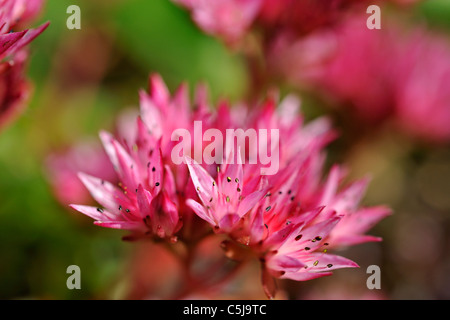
column 13, row 55
column 288, row 220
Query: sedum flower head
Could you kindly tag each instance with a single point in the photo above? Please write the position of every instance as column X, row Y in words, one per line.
column 231, row 20
column 288, row 219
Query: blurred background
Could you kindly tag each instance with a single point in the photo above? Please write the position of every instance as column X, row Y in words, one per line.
column 84, row 79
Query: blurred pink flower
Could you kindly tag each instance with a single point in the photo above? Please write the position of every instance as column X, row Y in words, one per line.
column 288, row 220
column 13, row 87
column 62, row 170
column 380, row 75
column 291, row 221
column 422, row 85
column 228, row 19
column 343, row 62
column 232, row 19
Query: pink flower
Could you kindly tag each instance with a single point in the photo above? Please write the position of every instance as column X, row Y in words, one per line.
column 143, row 200
column 228, row 19
column 272, row 224
column 302, row 254
column 288, row 220
column 158, row 105
column 291, row 219
column 379, row 75
column 13, row 87
column 150, row 197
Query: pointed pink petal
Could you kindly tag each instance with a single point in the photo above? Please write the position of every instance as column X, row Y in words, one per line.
column 288, row 109
column 313, row 214
column 158, row 90
column 29, row 36
column 170, row 211
column 151, row 115
column 352, row 227
column 326, row 262
column 144, row 140
column 169, row 182
column 9, row 39
column 164, row 215
column 107, row 140
column 103, row 192
column 250, row 201
column 349, row 199
column 232, row 177
column 365, row 218
column 200, row 211
column 277, row 238
column 181, row 100
column 308, row 238
column 144, row 199
column 257, row 227
column 94, row 212
column 284, row 263
column 202, row 181
column 317, row 134
column 201, row 98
